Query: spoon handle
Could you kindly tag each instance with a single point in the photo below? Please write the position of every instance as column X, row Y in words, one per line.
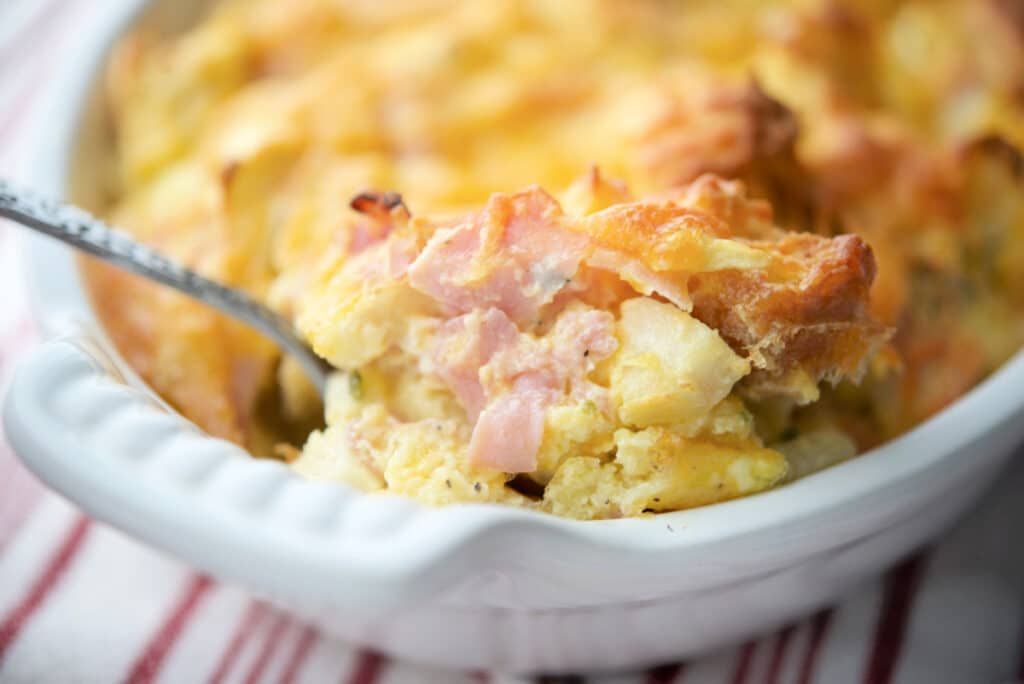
column 82, row 230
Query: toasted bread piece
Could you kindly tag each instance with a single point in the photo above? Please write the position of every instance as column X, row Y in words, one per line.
column 798, row 330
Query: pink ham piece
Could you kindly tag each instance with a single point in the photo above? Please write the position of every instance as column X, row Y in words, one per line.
column 581, row 337
column 518, row 256
column 509, row 431
column 383, row 260
column 513, row 256
column 465, row 344
column 506, row 379
column 639, row 277
column 362, row 238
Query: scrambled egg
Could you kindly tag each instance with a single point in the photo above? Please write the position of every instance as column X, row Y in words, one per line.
column 707, row 168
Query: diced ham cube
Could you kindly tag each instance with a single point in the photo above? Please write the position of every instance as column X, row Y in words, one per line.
column 513, row 256
column 507, row 379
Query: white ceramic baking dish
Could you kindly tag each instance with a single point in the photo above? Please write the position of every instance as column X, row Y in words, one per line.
column 465, row 586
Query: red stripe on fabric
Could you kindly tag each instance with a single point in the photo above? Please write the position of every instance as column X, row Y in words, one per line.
column 367, row 668
column 743, row 666
column 819, row 628
column 779, row 654
column 298, row 657
column 44, row 583
column 252, row 617
column 666, row 674
column 901, row 586
column 482, row 677
column 147, row 667
column 560, row 679
column 267, row 649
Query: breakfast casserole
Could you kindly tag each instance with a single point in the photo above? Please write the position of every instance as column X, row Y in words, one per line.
column 598, row 258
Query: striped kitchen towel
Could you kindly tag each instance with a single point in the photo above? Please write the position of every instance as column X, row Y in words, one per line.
column 80, row 602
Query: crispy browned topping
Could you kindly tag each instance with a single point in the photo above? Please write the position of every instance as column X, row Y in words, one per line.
column 814, row 319
column 378, row 204
column 736, row 132
column 995, row 147
column 1013, row 12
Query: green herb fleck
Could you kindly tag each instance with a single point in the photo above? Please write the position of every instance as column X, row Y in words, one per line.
column 355, row 385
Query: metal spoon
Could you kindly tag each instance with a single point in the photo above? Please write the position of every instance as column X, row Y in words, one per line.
column 84, row 231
